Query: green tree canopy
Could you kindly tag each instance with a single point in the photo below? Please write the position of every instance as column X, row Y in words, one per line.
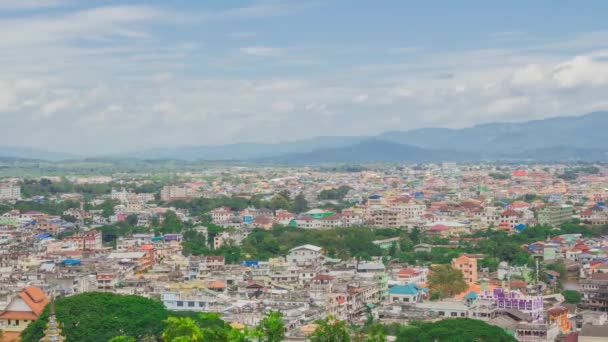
column 572, row 297
column 330, row 330
column 454, row 330
column 447, row 280
column 96, row 316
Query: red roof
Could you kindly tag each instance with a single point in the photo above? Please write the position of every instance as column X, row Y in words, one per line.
column 439, row 227
column 323, row 277
column 408, row 271
column 509, row 212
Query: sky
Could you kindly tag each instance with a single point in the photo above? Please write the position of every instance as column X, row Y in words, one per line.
column 97, row 77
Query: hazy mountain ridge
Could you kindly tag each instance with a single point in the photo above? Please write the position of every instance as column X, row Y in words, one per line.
column 554, row 139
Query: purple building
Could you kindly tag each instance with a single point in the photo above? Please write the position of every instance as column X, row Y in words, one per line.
column 505, row 299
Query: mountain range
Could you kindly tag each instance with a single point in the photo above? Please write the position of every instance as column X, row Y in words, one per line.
column 572, row 138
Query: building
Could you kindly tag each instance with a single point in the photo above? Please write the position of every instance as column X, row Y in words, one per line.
column 554, row 215
column 305, row 255
column 53, row 332
column 593, row 333
column 409, row 293
column 595, row 292
column 172, row 192
column 24, row 308
column 468, row 266
column 10, row 192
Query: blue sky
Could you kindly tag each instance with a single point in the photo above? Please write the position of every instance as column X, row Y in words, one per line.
column 111, row 76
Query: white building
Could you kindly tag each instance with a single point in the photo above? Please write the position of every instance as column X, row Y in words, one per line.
column 305, row 255
column 10, row 192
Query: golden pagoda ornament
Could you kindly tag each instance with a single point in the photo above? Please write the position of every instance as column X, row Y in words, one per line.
column 52, row 333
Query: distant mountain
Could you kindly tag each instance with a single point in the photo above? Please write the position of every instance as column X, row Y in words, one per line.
column 573, row 138
column 583, row 132
column 19, row 152
column 369, row 151
column 241, row 151
column 556, row 139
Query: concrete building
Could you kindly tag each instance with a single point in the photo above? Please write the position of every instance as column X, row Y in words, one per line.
column 468, row 266
column 554, row 215
column 305, row 255
column 10, row 192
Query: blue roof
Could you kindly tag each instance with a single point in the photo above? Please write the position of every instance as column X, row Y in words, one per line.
column 71, row 262
column 471, row 295
column 520, row 226
column 43, row 236
column 375, row 197
column 409, row 289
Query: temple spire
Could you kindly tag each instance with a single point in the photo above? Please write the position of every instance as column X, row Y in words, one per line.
column 52, row 333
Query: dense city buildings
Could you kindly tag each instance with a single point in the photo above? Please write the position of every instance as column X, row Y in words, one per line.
column 313, row 243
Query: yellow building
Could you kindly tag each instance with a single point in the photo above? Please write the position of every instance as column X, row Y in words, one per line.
column 24, row 308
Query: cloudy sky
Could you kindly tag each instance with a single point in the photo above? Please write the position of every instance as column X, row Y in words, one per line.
column 109, row 76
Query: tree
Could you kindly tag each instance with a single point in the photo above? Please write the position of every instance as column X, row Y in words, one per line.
column 300, row 204
column 171, row 223
column 132, row 220
column 69, row 218
column 180, row 328
column 572, row 297
column 447, row 280
column 122, row 339
column 453, row 330
column 330, row 330
column 99, row 316
column 272, row 327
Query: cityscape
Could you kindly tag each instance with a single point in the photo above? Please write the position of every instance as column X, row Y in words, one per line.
column 319, row 171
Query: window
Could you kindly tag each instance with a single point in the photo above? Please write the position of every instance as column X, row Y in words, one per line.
column 180, row 303
column 190, row 304
column 453, row 314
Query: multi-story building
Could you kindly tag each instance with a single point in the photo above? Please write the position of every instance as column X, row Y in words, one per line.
column 468, row 266
column 595, row 292
column 10, row 192
column 173, row 192
column 304, row 255
column 554, row 215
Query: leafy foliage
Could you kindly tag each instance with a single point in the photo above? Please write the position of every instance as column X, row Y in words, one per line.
column 334, row 194
column 447, row 280
column 330, row 330
column 342, row 243
column 96, row 316
column 454, row 330
column 572, row 297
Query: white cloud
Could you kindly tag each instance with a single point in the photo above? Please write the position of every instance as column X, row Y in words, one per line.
column 7, row 96
column 283, row 106
column 242, row 35
column 361, row 98
column 506, row 105
column 401, row 91
column 11, row 5
column 55, row 106
column 262, row 51
column 529, row 74
column 579, row 71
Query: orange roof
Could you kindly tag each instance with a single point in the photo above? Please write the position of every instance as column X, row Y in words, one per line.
column 34, row 298
column 216, row 285
column 9, row 336
column 462, row 259
column 28, row 315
